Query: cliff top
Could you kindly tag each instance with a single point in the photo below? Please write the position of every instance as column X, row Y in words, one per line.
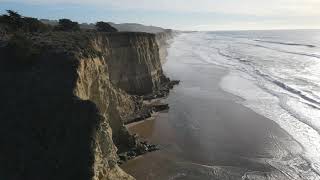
column 82, row 43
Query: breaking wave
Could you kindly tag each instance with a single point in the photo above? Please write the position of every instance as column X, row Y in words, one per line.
column 286, row 43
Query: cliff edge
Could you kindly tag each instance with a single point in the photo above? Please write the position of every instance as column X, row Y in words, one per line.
column 65, row 99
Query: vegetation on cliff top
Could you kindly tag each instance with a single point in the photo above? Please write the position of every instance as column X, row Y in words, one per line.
column 25, row 39
column 67, row 25
column 13, row 22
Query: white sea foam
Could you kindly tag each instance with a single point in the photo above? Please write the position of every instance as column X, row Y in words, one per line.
column 269, row 106
column 277, row 80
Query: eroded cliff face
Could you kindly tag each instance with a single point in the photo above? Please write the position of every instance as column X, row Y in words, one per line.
column 93, row 84
column 163, row 39
column 135, row 63
column 63, row 106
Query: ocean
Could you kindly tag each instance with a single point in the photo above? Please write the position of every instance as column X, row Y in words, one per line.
column 277, row 73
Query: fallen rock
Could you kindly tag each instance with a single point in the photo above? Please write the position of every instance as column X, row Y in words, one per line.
column 160, row 107
column 141, row 148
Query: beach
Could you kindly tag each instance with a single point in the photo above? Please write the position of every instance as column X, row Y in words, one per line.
column 245, row 109
column 207, row 134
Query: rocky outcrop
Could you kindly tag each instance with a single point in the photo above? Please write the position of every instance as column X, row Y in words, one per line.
column 65, row 100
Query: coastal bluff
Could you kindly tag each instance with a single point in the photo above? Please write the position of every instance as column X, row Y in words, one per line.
column 66, row 97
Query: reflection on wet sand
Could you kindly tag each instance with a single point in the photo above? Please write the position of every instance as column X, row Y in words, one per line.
column 200, row 138
column 208, row 134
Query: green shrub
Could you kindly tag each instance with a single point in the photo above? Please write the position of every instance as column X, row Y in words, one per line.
column 67, row 25
column 34, row 25
column 12, row 19
column 15, row 22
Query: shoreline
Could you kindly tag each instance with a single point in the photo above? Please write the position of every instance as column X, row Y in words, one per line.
column 147, row 107
column 245, row 154
column 302, row 155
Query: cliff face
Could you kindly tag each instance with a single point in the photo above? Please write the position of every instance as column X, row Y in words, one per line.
column 113, row 104
column 63, row 105
column 163, row 43
column 135, row 63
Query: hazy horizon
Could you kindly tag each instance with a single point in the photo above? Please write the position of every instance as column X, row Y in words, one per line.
column 200, row 15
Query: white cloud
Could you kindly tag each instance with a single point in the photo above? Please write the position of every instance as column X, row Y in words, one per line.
column 239, row 14
column 252, row 25
column 246, row 7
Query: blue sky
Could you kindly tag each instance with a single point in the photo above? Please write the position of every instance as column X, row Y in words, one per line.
column 180, row 14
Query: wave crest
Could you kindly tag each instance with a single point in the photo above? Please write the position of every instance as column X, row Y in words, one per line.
column 286, row 43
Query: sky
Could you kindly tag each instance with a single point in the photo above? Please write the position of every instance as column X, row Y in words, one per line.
column 203, row 15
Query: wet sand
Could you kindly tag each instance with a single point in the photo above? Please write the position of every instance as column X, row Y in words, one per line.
column 207, row 134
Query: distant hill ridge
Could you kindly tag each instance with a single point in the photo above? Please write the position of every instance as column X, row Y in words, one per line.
column 133, row 27
column 125, row 27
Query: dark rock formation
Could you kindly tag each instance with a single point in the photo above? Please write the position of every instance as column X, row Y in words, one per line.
column 146, row 111
column 141, row 147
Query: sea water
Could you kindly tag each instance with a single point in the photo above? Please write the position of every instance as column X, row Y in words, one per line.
column 277, row 74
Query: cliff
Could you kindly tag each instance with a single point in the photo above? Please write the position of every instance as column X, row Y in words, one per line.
column 65, row 99
column 135, row 63
column 163, row 39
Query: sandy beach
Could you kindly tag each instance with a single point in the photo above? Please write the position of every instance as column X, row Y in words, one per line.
column 208, row 134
